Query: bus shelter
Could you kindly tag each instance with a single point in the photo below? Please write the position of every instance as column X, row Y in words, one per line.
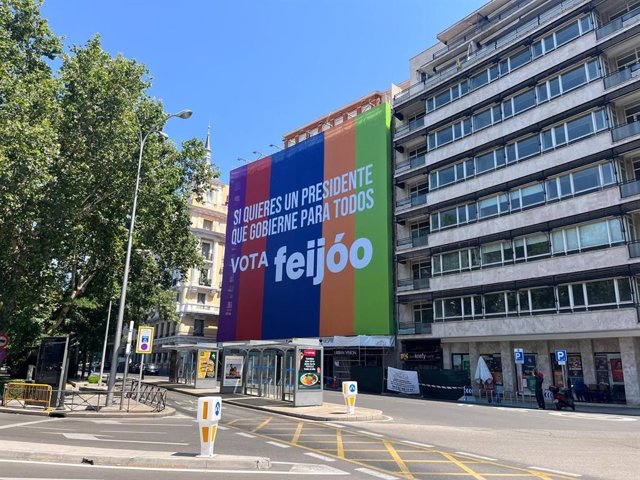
column 289, row 372
column 195, row 365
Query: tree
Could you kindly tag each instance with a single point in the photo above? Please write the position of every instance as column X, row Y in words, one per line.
column 74, row 227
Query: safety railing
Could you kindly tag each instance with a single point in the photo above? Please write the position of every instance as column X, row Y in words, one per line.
column 629, row 188
column 135, row 394
column 412, row 201
column 634, row 249
column 622, row 76
column 405, row 284
column 617, row 24
column 624, row 131
column 21, row 394
column 413, row 241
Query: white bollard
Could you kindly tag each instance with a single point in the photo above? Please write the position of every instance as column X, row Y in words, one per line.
column 209, row 413
column 349, row 392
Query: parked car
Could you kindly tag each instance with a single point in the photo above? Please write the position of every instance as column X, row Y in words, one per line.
column 135, row 368
column 151, row 369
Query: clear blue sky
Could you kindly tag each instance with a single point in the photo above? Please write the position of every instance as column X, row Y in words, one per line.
column 257, row 69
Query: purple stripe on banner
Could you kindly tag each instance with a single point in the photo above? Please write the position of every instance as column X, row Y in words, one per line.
column 228, row 321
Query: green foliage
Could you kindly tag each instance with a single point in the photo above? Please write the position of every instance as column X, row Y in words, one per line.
column 69, row 148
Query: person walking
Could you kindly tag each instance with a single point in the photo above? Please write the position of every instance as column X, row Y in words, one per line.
column 539, row 379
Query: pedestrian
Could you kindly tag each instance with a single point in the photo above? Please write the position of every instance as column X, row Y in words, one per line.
column 539, row 379
column 489, row 388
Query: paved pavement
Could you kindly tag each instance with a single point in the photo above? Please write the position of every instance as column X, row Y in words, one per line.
column 121, row 457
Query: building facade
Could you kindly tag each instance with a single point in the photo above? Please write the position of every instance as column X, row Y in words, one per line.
column 338, row 117
column 198, row 293
column 517, row 196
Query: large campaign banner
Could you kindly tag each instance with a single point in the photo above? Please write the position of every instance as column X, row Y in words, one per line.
column 308, row 247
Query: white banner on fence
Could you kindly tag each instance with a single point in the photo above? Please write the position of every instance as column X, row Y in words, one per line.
column 403, row 381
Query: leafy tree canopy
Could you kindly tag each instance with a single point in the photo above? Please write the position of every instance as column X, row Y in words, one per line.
column 69, row 147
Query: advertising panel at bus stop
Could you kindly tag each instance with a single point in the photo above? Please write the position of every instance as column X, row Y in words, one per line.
column 308, row 246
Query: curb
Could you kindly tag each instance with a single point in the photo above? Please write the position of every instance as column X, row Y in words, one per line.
column 139, row 459
column 168, row 411
column 307, row 416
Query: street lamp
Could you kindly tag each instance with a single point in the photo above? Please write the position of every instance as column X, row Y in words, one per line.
column 260, row 154
column 183, row 114
column 240, row 159
column 275, row 146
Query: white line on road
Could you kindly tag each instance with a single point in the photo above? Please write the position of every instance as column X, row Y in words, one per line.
column 278, row 444
column 88, row 436
column 296, row 472
column 220, row 427
column 476, row 456
column 425, row 445
column 248, row 435
column 24, row 424
column 559, row 472
column 370, row 433
column 320, row 457
column 377, row 474
column 132, row 431
column 336, row 425
column 511, row 409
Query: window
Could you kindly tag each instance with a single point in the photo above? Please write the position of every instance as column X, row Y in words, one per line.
column 198, row 327
column 207, row 224
column 423, row 313
column 590, row 235
column 202, row 298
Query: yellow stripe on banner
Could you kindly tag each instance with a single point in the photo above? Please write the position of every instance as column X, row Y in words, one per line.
column 398, row 459
column 205, row 408
column 205, row 434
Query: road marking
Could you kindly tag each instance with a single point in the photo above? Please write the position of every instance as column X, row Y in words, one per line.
column 477, row 456
column 398, row 459
column 370, row 433
column 133, row 431
column 594, row 416
column 248, row 435
column 376, row 474
column 320, row 457
column 220, row 427
column 512, row 409
column 336, row 425
column 278, row 444
column 425, row 445
column 294, row 471
column 457, row 462
column 559, row 472
column 24, row 424
column 263, row 424
column 339, row 444
column 88, row 436
column 296, row 436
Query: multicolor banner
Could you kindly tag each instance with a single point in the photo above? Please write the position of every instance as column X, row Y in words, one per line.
column 308, row 247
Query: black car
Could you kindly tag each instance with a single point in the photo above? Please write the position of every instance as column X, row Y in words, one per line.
column 134, row 368
column 151, row 369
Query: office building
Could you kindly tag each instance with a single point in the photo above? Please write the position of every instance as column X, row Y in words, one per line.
column 517, row 185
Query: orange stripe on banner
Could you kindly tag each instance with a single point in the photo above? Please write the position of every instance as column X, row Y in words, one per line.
column 205, row 407
column 337, row 293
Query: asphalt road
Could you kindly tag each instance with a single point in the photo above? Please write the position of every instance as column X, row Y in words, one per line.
column 419, row 439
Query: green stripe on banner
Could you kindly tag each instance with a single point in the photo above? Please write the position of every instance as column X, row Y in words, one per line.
column 373, row 291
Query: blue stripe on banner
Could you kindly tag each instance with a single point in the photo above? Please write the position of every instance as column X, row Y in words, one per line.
column 293, row 305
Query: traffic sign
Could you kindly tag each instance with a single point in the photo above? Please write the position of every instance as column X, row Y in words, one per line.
column 518, row 355
column 144, row 343
column 4, row 340
column 561, row 357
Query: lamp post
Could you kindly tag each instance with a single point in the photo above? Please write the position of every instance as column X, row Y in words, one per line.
column 240, row 159
column 275, row 146
column 183, row 114
column 260, row 154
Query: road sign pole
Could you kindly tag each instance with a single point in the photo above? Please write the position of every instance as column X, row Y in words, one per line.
column 140, row 377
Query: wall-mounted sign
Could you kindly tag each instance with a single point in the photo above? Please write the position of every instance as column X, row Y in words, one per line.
column 421, row 356
column 206, row 364
column 346, row 353
column 309, row 236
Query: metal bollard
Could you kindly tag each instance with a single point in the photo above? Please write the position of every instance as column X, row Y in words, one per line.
column 209, row 414
column 349, row 392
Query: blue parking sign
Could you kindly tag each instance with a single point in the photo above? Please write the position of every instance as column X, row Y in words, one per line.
column 561, row 357
column 518, row 355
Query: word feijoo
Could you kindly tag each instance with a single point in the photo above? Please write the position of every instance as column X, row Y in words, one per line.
column 312, row 264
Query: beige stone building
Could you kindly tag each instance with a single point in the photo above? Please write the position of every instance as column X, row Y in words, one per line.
column 198, row 293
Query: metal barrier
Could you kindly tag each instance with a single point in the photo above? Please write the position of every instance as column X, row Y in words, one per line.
column 25, row 394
